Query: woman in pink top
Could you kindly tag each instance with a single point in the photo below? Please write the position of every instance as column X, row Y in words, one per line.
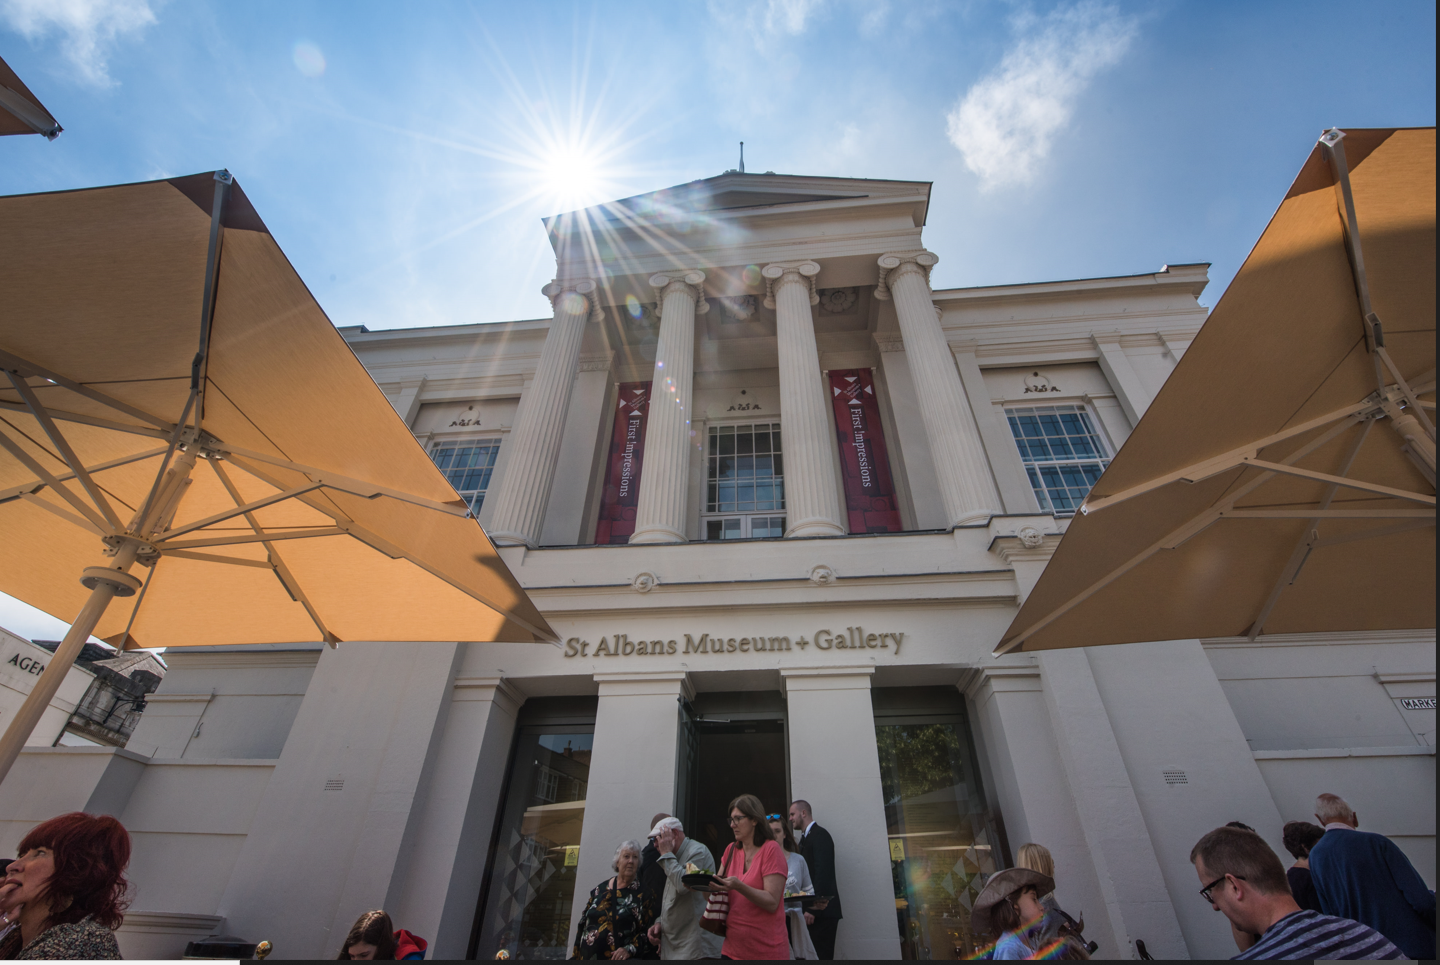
column 753, row 871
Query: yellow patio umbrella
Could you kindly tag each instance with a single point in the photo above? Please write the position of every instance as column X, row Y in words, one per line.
column 21, row 111
column 1283, row 480
column 181, row 427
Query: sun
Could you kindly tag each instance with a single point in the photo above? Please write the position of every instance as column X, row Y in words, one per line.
column 573, row 176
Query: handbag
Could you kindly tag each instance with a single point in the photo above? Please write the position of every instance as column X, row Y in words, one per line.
column 717, row 904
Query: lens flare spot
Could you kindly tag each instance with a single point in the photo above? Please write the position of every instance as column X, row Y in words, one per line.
column 309, row 59
column 633, row 306
column 571, row 303
column 751, row 275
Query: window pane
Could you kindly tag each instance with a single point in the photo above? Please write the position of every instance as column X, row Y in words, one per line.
column 468, row 468
column 745, row 441
column 727, row 443
column 713, row 528
column 1064, row 455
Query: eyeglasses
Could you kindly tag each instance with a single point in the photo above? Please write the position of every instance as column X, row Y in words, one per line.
column 773, row 817
column 736, row 819
column 1205, row 892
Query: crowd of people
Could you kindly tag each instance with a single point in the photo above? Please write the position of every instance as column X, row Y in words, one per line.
column 773, row 894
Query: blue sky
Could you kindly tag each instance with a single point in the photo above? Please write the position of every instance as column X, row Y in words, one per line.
column 404, row 155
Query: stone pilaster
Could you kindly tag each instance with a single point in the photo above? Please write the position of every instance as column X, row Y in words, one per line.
column 960, row 463
column 540, row 422
column 812, row 503
column 664, row 482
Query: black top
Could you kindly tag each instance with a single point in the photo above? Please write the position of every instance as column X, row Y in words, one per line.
column 1303, row 889
column 818, row 850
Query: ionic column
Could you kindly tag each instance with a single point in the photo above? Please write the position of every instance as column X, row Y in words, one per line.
column 664, row 475
column 540, row 422
column 965, row 481
column 812, row 506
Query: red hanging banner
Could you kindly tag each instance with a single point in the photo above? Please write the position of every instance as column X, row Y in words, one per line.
column 869, row 492
column 622, row 476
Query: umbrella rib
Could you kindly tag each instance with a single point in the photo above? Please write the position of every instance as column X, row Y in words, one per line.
column 50, row 480
column 1374, row 533
column 356, row 487
column 90, row 420
column 77, row 466
column 1305, row 546
column 30, row 487
column 242, row 510
column 277, row 563
column 1210, row 467
column 165, row 546
column 1339, row 481
column 12, row 361
column 200, row 367
column 70, row 517
column 212, row 558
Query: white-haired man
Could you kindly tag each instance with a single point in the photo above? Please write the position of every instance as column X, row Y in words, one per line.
column 1367, row 878
column 678, row 931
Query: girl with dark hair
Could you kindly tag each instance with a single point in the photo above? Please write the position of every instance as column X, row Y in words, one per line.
column 1299, row 837
column 753, row 871
column 66, row 890
column 373, row 938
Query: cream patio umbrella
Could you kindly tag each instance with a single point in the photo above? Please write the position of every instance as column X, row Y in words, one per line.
column 21, row 111
column 1283, row 480
column 174, row 402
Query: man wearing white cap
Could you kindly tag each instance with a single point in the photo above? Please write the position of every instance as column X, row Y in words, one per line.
column 678, row 931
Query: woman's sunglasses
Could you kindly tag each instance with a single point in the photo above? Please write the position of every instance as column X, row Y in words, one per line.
column 773, row 817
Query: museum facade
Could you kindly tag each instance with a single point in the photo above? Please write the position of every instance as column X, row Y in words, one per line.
column 779, row 498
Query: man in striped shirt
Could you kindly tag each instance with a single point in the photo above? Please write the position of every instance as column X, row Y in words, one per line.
column 1242, row 877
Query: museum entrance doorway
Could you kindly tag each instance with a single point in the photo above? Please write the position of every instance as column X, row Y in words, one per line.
column 731, row 744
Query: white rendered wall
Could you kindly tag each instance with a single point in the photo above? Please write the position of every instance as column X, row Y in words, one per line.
column 632, row 769
column 370, row 719
column 834, row 764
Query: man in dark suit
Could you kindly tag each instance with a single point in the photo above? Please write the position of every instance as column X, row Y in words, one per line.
column 818, row 850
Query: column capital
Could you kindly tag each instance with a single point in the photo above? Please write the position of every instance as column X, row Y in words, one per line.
column 901, row 263
column 779, row 273
column 586, row 288
column 691, row 280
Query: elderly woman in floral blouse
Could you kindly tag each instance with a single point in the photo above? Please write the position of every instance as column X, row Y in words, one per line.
column 618, row 914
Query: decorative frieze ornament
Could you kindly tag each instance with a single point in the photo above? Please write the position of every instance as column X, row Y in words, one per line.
column 838, row 301
column 739, row 307
column 823, row 575
column 644, row 582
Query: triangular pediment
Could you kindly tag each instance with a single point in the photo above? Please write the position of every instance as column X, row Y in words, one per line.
column 734, row 191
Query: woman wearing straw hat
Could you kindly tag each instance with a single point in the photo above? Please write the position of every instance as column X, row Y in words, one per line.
column 1007, row 906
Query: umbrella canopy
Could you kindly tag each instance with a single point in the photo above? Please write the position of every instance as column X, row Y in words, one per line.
column 21, row 111
column 173, row 397
column 1283, row 480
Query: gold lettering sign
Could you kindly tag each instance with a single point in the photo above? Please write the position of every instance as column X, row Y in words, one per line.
column 839, row 639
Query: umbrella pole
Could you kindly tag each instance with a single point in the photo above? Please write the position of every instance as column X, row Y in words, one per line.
column 104, row 589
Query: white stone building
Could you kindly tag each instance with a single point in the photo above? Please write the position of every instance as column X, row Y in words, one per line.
column 754, row 600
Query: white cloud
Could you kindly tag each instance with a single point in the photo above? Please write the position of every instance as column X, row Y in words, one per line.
column 1006, row 122
column 789, row 16
column 88, row 28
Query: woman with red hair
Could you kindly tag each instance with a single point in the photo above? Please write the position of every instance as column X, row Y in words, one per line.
column 66, row 891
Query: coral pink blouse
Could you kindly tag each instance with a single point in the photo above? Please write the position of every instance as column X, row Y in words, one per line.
column 749, row 932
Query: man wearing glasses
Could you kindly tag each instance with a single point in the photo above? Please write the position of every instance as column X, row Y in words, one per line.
column 1242, row 877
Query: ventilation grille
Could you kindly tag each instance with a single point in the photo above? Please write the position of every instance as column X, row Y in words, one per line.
column 1175, row 777
column 338, row 784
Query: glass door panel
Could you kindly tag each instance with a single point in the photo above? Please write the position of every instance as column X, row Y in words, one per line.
column 943, row 844
column 532, row 884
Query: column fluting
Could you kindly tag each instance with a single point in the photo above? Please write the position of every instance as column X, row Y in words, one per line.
column 812, row 502
column 665, row 471
column 965, row 482
column 540, row 422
